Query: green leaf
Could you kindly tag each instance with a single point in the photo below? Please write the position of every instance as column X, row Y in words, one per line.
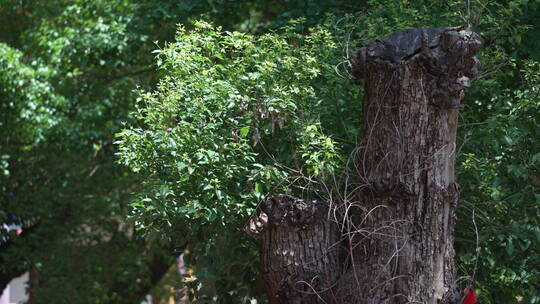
column 244, row 131
column 510, row 247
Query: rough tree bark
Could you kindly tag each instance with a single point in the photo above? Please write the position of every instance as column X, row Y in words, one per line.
column 393, row 240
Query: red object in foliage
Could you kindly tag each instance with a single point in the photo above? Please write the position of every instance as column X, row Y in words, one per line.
column 470, row 296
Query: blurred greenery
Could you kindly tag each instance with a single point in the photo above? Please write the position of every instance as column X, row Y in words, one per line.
column 213, row 104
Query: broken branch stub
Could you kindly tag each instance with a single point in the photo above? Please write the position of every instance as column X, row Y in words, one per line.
column 447, row 54
column 299, row 244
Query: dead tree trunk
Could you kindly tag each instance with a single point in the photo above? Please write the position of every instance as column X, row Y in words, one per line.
column 395, row 244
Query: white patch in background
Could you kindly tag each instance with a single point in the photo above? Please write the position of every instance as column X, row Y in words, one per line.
column 15, row 292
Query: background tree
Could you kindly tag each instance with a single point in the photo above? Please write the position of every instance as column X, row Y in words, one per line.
column 69, row 70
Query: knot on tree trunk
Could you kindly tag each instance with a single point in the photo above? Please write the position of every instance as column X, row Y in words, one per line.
column 293, row 212
column 285, row 210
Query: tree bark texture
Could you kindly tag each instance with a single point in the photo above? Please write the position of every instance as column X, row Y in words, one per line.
column 393, row 242
column 299, row 256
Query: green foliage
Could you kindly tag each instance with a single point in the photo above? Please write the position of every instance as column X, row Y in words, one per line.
column 219, row 117
column 233, row 116
column 501, row 166
column 27, row 110
column 28, row 101
column 318, row 152
column 68, row 74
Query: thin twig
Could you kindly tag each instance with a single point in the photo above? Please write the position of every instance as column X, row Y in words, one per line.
column 477, row 248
